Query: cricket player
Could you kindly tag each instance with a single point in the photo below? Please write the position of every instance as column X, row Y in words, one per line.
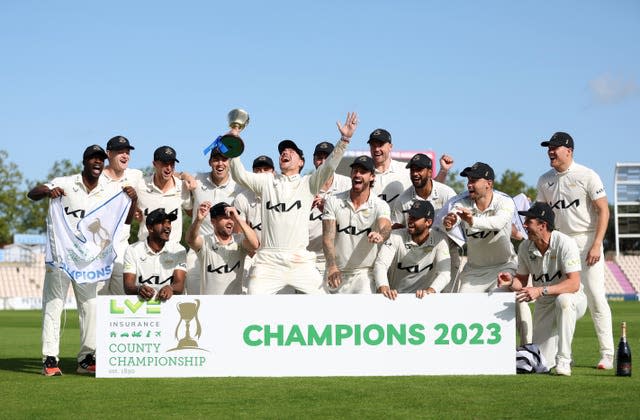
column 80, row 194
column 222, row 254
column 163, row 189
column 117, row 175
column 354, row 224
column 335, row 184
column 214, row 186
column 155, row 267
column 286, row 199
column 415, row 259
column 579, row 201
column 485, row 217
column 553, row 260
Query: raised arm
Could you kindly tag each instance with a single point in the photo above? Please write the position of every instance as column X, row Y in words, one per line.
column 194, row 239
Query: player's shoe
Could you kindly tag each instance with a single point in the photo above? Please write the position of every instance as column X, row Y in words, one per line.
column 606, row 362
column 87, row 365
column 50, row 367
column 563, row 367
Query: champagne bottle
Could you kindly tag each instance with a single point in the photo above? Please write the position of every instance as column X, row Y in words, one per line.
column 623, row 366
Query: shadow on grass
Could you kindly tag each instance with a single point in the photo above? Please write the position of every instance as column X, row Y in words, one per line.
column 34, row 366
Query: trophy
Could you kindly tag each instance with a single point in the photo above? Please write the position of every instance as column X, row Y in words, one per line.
column 229, row 145
column 188, row 311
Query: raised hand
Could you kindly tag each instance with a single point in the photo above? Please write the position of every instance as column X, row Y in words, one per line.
column 349, row 126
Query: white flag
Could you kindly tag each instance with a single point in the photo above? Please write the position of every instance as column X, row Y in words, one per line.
column 86, row 252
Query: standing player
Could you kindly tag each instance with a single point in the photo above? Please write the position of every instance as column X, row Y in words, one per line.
column 214, row 186
column 337, row 183
column 80, row 194
column 354, row 224
column 415, row 259
column 286, row 199
column 156, row 266
column 163, row 189
column 221, row 254
column 392, row 177
column 115, row 176
column 553, row 259
column 579, row 201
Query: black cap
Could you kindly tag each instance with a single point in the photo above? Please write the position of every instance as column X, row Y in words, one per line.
column 479, row 170
column 263, row 161
column 421, row 161
column 323, row 147
column 92, row 151
column 421, row 208
column 159, row 216
column 218, row 209
column 559, row 139
column 165, row 154
column 364, row 161
column 542, row 211
column 289, row 144
column 380, row 134
column 119, row 143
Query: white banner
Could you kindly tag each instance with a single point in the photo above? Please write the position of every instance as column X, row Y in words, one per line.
column 302, row 335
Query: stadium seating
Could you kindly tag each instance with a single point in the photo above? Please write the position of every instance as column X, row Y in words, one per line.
column 630, row 266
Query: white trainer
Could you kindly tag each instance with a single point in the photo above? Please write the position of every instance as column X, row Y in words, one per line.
column 563, row 367
column 606, row 362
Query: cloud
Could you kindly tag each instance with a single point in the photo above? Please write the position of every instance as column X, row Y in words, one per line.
column 607, row 89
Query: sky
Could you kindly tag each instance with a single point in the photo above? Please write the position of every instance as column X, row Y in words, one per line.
column 480, row 81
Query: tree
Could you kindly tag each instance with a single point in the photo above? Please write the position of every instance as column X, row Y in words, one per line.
column 512, row 184
column 34, row 213
column 10, row 197
column 455, row 182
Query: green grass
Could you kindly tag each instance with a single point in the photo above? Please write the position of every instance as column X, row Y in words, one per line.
column 589, row 393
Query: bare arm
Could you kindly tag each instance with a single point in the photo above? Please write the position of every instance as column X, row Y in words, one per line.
column 250, row 242
column 328, row 246
column 175, row 288
column 384, row 230
column 41, row 191
column 446, row 162
column 602, row 208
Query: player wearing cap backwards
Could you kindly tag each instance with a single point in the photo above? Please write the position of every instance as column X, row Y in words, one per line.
column 415, row 259
column 579, row 201
column 392, row 177
column 286, row 199
column 354, row 224
column 483, row 218
column 553, row 260
column 221, row 254
column 214, row 186
column 116, row 175
column 337, row 183
column 80, row 194
column 163, row 189
column 155, row 266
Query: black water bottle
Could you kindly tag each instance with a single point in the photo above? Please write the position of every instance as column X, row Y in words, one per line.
column 623, row 366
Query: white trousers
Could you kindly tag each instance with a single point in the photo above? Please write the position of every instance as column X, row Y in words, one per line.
column 356, row 282
column 554, row 322
column 592, row 278
column 274, row 270
column 54, row 293
column 484, row 280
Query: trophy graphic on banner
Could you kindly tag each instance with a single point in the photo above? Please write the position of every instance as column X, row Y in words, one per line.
column 230, row 145
column 188, row 312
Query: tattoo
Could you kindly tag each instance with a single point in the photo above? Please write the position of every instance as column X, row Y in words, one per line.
column 328, row 241
column 385, row 231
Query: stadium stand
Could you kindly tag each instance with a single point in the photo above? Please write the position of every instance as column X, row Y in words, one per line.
column 630, row 266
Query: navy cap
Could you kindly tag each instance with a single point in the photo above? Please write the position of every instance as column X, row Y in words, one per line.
column 94, row 150
column 218, row 209
column 542, row 211
column 364, row 161
column 119, row 143
column 289, row 144
column 380, row 134
column 420, row 209
column 263, row 161
column 421, row 161
column 165, row 154
column 559, row 139
column 159, row 216
column 479, row 170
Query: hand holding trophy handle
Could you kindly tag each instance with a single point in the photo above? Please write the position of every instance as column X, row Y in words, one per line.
column 230, row 144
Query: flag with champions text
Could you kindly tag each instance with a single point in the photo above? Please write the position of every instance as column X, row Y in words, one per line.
column 86, row 251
